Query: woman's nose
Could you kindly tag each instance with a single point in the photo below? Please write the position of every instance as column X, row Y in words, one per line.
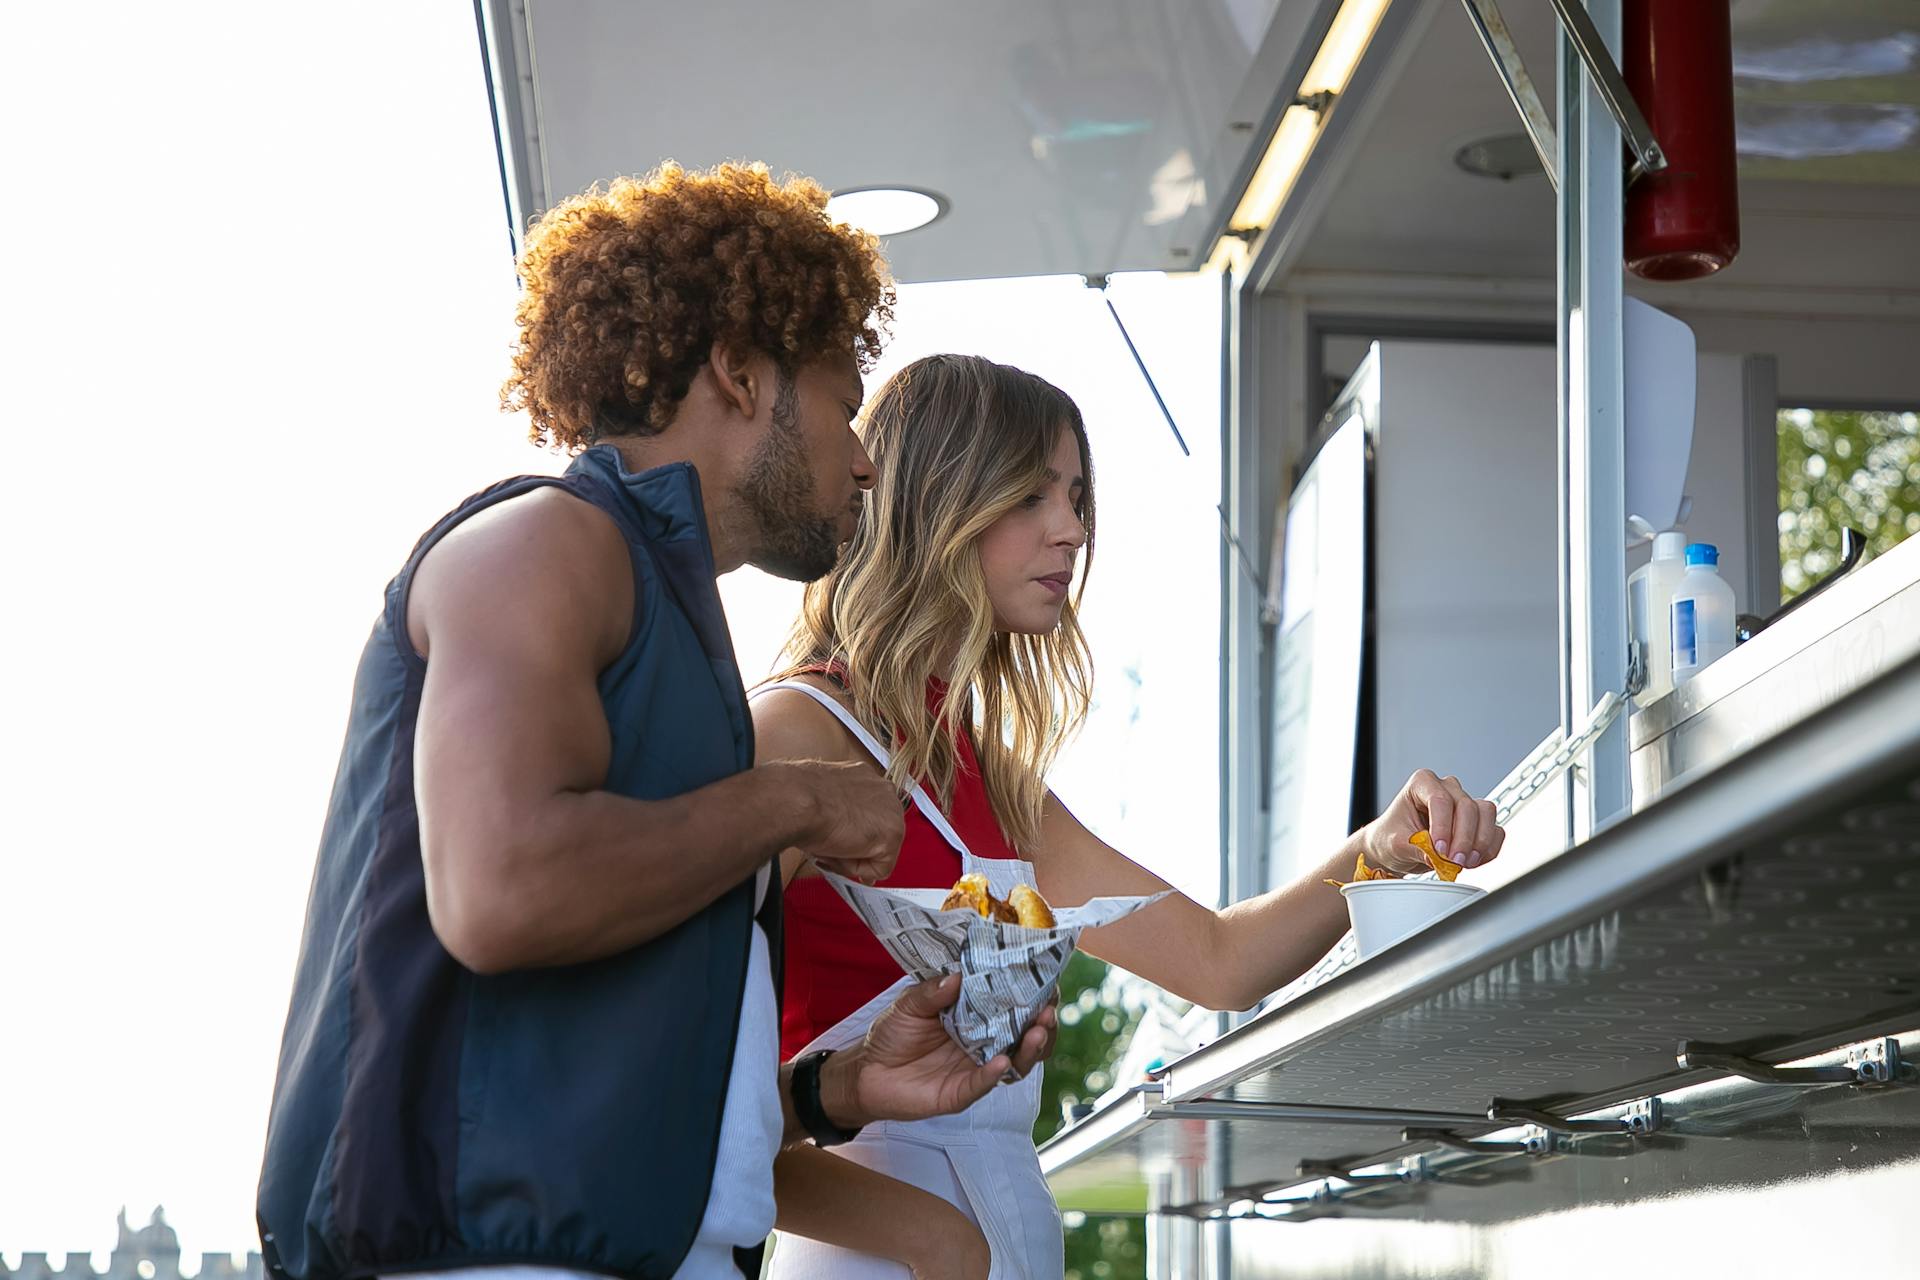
column 1073, row 533
column 865, row 474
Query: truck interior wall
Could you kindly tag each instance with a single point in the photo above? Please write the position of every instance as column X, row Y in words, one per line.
column 1825, row 360
column 1852, row 351
column 1732, row 452
column 1466, row 656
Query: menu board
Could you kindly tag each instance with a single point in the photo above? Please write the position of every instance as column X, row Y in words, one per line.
column 1318, row 656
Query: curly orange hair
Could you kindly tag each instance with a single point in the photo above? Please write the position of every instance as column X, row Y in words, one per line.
column 626, row 289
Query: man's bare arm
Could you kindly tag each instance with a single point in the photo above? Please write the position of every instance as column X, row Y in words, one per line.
column 528, row 862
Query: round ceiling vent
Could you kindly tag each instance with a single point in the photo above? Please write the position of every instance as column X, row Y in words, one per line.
column 1506, row 156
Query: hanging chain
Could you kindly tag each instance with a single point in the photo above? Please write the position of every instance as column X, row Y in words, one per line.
column 1558, row 753
column 1554, row 757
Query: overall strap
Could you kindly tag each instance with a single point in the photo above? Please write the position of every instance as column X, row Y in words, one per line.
column 928, row 809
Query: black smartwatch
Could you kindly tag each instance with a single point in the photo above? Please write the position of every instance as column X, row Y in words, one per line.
column 805, row 1086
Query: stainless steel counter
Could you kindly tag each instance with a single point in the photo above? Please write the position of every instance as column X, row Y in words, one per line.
column 1858, row 628
column 1772, row 903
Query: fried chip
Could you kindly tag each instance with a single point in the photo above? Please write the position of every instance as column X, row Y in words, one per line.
column 1445, row 868
column 1361, row 871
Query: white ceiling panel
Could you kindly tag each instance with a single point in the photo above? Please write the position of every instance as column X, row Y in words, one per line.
column 1833, row 77
column 1079, row 136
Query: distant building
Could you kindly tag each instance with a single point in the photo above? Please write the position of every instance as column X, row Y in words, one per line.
column 150, row 1253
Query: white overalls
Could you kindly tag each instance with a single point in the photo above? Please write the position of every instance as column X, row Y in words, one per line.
column 982, row 1160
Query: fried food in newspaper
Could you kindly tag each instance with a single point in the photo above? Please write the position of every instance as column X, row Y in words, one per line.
column 970, row 892
column 1022, row 907
column 1029, row 907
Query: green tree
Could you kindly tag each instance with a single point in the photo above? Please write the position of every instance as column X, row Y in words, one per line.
column 1094, row 1028
column 1843, row 469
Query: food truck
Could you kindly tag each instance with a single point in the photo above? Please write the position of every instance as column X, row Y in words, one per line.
column 1572, row 259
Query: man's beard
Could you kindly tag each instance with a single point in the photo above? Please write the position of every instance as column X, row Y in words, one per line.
column 795, row 541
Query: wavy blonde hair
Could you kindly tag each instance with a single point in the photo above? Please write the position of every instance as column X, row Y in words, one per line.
column 958, row 441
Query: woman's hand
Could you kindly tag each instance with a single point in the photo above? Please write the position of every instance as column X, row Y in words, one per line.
column 1463, row 828
column 953, row 1249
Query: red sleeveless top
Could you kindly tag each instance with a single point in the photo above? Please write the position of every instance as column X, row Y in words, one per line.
column 834, row 964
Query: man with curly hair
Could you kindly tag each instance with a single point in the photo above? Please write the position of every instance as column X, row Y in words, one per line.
column 533, row 1024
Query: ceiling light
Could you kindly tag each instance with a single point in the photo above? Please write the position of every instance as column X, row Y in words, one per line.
column 1299, row 128
column 1286, row 155
column 886, row 211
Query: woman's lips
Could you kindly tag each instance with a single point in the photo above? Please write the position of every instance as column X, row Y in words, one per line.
column 1056, row 584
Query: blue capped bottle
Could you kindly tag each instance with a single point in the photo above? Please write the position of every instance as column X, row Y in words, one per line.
column 1700, row 614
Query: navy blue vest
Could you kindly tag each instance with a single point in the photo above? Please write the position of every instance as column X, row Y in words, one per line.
column 426, row 1117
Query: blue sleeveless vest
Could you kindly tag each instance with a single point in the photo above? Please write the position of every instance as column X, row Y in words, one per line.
column 425, row 1117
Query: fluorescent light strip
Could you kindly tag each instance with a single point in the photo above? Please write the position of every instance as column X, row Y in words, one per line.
column 1293, row 140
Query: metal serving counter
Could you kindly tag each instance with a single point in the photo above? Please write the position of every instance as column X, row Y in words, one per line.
column 1860, row 625
column 1760, row 912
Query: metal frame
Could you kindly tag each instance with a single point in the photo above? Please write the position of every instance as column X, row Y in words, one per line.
column 506, row 46
column 1581, row 28
column 1591, row 290
column 1660, row 1119
column 1760, row 401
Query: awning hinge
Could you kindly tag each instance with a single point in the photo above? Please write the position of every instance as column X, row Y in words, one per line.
column 1601, row 69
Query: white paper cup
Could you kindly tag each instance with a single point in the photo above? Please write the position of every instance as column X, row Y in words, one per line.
column 1385, row 911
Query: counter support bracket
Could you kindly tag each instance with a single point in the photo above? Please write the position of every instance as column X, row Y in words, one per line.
column 1869, row 1063
column 1507, row 1111
column 1233, row 1109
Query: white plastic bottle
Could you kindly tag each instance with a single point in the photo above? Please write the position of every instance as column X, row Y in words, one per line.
column 1701, row 614
column 1649, row 589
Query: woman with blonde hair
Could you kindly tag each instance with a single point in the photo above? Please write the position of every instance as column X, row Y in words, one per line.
column 946, row 651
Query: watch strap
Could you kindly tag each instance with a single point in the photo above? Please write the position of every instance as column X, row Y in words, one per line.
column 807, row 1108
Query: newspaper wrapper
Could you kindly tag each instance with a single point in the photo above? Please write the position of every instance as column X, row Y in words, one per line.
column 1007, row 973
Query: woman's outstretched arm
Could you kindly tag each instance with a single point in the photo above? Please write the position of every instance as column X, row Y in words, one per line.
column 819, row 1195
column 1229, row 959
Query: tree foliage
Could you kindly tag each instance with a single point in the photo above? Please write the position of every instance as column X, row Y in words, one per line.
column 1094, row 1028
column 1843, row 469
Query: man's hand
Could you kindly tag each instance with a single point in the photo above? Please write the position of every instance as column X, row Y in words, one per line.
column 1463, row 828
column 909, row 1068
column 857, row 823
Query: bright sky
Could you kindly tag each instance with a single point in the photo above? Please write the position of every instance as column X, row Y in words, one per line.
column 259, row 306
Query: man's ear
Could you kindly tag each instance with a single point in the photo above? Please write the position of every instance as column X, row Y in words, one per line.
column 736, row 377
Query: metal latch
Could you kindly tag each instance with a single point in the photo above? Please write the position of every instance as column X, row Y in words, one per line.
column 1643, row 1118
column 1876, row 1061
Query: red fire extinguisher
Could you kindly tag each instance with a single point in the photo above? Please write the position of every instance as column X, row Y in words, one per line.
column 1682, row 222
